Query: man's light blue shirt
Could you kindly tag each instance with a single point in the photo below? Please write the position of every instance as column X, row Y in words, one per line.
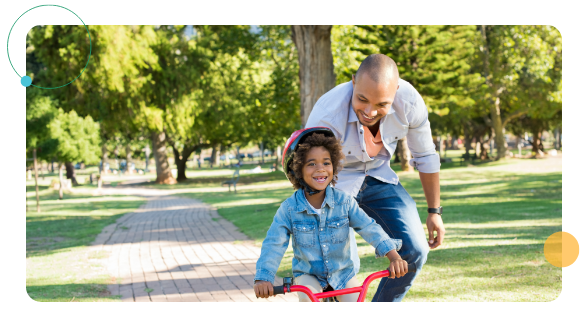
column 408, row 117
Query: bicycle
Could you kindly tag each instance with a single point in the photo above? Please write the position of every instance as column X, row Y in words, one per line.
column 288, row 287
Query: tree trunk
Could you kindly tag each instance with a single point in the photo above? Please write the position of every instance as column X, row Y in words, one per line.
column 60, row 181
column 163, row 169
column 483, row 147
column 501, row 145
column 262, row 151
column 313, row 43
column 405, row 155
column 181, row 168
column 467, row 140
column 495, row 106
column 278, row 154
column 128, row 158
column 536, row 142
column 36, row 178
column 214, row 160
column 181, row 160
column 104, row 158
column 71, row 173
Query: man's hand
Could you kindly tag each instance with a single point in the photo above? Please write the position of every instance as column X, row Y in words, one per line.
column 435, row 224
column 263, row 289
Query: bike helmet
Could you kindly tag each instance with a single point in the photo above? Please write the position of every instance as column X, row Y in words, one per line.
column 291, row 146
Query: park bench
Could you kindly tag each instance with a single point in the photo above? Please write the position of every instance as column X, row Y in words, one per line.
column 233, row 181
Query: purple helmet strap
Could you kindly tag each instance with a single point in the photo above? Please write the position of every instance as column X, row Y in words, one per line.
column 305, row 185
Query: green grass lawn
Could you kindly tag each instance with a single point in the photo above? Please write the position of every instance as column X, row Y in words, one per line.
column 497, row 217
column 59, row 266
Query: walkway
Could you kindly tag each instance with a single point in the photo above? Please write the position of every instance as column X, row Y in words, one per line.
column 178, row 249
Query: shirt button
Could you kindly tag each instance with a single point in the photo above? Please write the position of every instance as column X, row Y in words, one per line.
column 348, row 152
column 363, row 151
column 395, row 137
column 326, row 261
column 321, row 229
column 323, row 245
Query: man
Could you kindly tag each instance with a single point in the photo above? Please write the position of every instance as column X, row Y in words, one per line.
column 369, row 116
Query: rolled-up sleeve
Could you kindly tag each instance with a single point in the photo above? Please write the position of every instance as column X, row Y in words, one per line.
column 420, row 140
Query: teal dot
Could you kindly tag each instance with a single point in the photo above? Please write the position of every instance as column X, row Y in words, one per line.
column 25, row 81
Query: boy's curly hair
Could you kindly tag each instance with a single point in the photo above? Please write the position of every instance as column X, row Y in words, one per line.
column 330, row 144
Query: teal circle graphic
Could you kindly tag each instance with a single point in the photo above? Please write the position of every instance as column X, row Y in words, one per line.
column 23, row 79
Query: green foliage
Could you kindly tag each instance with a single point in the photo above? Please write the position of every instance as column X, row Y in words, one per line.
column 40, row 111
column 59, row 135
column 277, row 113
column 110, row 89
column 76, row 138
column 434, row 59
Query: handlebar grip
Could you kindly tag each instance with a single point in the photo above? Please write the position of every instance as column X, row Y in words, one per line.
column 411, row 267
column 278, row 290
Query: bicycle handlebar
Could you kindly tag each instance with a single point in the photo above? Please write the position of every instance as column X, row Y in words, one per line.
column 384, row 273
column 278, row 290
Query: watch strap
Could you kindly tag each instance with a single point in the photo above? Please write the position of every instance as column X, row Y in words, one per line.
column 438, row 210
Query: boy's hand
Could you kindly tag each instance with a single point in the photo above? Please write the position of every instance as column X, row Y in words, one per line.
column 397, row 267
column 263, row 289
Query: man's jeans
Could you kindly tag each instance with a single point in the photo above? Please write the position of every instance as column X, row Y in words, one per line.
column 394, row 209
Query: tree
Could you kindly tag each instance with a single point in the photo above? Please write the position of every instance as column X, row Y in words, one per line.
column 110, row 90
column 64, row 136
column 276, row 114
column 434, row 59
column 515, row 60
column 313, row 43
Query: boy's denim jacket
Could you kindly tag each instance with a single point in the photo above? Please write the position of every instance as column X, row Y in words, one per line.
column 320, row 243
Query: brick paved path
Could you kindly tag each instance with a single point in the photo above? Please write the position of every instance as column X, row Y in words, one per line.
column 177, row 249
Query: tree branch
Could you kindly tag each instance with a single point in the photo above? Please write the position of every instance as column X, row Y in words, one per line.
column 516, row 114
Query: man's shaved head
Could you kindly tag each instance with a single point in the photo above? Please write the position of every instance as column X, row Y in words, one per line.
column 380, row 68
column 374, row 94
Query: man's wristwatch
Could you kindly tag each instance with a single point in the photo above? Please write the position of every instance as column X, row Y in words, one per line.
column 438, row 210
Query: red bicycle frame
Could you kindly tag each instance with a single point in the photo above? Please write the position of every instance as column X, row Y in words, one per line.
column 363, row 290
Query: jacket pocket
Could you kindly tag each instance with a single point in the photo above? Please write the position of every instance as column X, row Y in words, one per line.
column 339, row 230
column 304, row 234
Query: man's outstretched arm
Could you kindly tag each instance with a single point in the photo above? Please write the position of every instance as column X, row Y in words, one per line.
column 432, row 190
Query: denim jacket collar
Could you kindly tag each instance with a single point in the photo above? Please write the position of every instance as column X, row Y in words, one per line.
column 303, row 204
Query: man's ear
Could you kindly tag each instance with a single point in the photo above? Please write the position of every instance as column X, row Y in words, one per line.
column 353, row 79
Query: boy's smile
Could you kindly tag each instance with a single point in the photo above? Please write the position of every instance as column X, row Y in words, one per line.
column 318, row 169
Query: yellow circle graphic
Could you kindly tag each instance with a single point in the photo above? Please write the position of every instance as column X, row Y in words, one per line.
column 561, row 249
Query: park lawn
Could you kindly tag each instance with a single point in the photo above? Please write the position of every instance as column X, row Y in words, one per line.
column 59, row 265
column 497, row 217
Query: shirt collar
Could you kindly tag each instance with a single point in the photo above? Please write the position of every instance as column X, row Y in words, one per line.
column 303, row 204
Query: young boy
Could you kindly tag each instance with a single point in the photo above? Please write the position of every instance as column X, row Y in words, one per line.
column 318, row 217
